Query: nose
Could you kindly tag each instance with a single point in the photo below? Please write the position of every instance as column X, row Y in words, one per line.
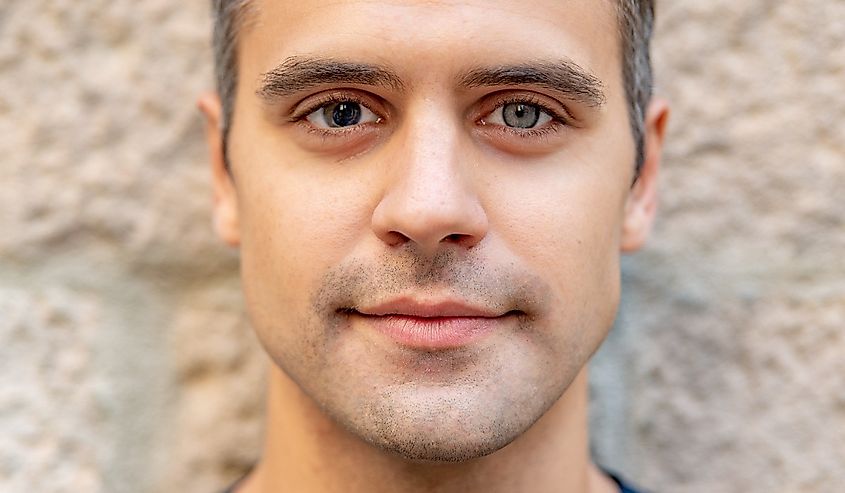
column 429, row 199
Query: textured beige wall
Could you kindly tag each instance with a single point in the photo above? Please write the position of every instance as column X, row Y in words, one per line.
column 126, row 364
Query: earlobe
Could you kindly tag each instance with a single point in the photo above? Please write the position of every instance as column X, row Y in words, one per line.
column 641, row 205
column 225, row 205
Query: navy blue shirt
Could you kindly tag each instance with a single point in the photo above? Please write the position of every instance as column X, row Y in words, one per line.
column 623, row 487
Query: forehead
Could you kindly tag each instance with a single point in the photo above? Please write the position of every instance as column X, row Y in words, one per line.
column 426, row 39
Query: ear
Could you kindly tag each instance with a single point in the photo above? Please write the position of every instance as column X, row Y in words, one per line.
column 641, row 205
column 225, row 208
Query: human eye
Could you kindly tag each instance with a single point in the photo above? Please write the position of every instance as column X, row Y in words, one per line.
column 524, row 122
column 524, row 115
column 343, row 121
column 338, row 113
column 519, row 115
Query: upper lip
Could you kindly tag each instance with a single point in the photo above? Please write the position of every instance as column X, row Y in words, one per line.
column 410, row 307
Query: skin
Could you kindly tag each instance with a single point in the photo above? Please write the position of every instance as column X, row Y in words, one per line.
column 433, row 198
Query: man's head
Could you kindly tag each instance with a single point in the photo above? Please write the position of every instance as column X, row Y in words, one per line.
column 430, row 199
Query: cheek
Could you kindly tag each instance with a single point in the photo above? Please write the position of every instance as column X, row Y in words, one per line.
column 568, row 231
column 294, row 227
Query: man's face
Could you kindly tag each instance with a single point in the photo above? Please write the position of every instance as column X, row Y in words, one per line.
column 430, row 234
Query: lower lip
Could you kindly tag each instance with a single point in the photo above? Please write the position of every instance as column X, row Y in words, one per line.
column 433, row 333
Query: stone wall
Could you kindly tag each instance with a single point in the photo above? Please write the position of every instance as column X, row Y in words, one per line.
column 723, row 374
column 126, row 363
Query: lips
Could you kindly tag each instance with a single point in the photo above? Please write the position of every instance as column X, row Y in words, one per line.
column 431, row 309
column 433, row 324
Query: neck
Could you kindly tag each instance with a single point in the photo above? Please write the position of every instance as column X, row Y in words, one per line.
column 306, row 451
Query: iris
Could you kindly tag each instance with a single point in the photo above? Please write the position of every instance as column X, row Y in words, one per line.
column 342, row 114
column 519, row 115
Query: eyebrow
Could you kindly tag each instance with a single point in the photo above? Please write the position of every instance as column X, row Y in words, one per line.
column 564, row 76
column 299, row 73
column 296, row 74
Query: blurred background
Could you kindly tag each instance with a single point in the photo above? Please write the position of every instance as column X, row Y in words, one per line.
column 127, row 365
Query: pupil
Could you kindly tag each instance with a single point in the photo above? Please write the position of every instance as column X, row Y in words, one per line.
column 343, row 114
column 520, row 115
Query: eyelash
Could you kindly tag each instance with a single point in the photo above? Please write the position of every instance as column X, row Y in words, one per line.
column 558, row 120
column 554, row 124
column 300, row 115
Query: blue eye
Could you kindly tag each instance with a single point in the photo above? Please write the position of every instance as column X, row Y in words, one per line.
column 341, row 114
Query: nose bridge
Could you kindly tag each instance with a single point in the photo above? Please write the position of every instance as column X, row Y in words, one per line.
column 429, row 198
column 429, row 163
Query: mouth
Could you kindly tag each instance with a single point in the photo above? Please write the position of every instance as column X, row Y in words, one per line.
column 432, row 325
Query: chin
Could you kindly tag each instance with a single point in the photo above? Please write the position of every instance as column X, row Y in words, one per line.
column 443, row 446
column 446, row 424
column 423, row 452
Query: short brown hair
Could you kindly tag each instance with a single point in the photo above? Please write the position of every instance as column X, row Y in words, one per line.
column 636, row 24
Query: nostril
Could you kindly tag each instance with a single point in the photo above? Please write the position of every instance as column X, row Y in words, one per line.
column 459, row 239
column 395, row 238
